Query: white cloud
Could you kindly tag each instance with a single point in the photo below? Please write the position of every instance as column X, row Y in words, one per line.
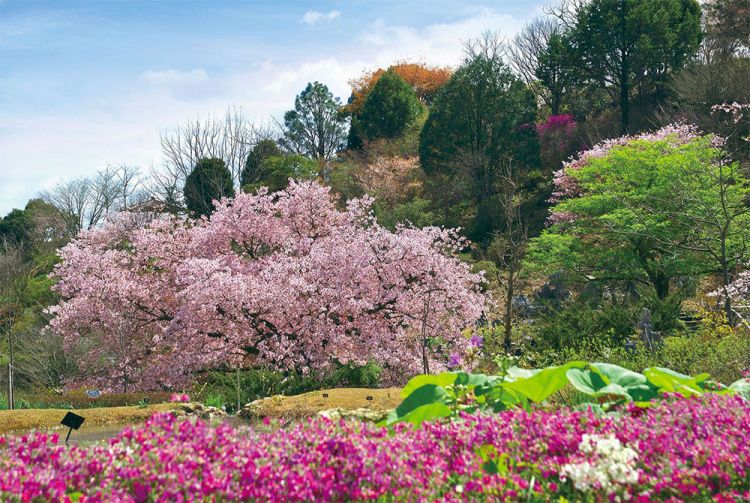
column 311, row 17
column 175, row 77
column 381, row 45
column 439, row 43
column 125, row 127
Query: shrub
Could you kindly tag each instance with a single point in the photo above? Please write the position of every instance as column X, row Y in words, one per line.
column 716, row 348
column 253, row 171
column 77, row 399
column 209, row 181
column 260, row 383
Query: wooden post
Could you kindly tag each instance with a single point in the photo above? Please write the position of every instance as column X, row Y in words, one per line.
column 11, row 398
column 10, row 386
column 238, row 389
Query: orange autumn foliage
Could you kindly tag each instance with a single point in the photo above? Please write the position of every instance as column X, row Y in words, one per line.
column 425, row 80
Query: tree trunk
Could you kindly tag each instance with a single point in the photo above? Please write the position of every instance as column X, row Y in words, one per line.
column 624, row 97
column 425, row 359
column 661, row 285
column 508, row 321
column 727, row 300
column 624, row 74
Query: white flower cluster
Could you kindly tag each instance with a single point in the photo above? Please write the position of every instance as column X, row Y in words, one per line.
column 612, row 465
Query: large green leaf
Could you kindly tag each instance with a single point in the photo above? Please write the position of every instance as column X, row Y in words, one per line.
column 544, row 383
column 471, row 380
column 619, row 375
column 421, row 414
column 519, row 373
column 607, row 380
column 585, row 380
column 742, row 388
column 444, row 379
column 667, row 380
column 428, row 402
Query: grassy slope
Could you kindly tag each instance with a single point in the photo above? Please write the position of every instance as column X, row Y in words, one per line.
column 288, row 407
column 309, row 404
column 27, row 419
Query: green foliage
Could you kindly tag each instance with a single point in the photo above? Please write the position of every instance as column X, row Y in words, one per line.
column 16, row 229
column 629, row 45
column 416, row 212
column 580, row 321
column 279, row 169
column 253, row 171
column 217, row 401
column 209, row 180
column 316, row 128
column 431, row 397
column 480, row 120
column 715, row 347
column 555, row 70
column 389, row 108
column 641, row 216
column 260, row 383
column 77, row 399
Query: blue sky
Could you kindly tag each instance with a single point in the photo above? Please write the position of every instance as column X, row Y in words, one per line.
column 84, row 84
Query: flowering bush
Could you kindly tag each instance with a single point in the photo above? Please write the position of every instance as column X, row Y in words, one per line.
column 684, row 449
column 557, row 139
column 179, row 397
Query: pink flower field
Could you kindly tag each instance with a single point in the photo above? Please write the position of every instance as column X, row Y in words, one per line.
column 694, row 449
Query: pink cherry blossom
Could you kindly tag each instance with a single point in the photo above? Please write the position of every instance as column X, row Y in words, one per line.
column 284, row 279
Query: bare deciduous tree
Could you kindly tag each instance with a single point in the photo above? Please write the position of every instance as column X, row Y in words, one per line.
column 529, row 44
column 229, row 138
column 508, row 247
column 83, row 203
column 489, row 45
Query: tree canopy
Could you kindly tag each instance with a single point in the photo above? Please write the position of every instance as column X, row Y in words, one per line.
column 481, row 118
column 209, row 181
column 633, row 45
column 285, row 279
column 253, row 171
column 389, row 107
column 317, row 126
column 647, row 209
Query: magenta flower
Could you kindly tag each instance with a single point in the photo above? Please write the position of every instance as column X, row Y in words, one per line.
column 695, row 449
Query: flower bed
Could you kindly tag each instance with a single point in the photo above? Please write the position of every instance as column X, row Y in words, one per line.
column 691, row 449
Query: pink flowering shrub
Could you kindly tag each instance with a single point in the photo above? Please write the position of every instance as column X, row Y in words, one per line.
column 283, row 279
column 557, row 139
column 179, row 397
column 694, row 449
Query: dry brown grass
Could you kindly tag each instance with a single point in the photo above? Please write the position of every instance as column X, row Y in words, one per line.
column 287, row 407
column 309, row 404
column 28, row 419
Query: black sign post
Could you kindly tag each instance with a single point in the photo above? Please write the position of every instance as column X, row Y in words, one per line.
column 72, row 421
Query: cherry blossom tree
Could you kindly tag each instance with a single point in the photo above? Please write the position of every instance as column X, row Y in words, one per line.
column 283, row 279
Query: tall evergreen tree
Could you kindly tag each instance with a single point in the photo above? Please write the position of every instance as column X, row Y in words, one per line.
column 630, row 46
column 481, row 120
column 209, row 181
column 389, row 108
column 316, row 127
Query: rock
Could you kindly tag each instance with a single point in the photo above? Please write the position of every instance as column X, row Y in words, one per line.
column 253, row 410
column 202, row 411
column 360, row 414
